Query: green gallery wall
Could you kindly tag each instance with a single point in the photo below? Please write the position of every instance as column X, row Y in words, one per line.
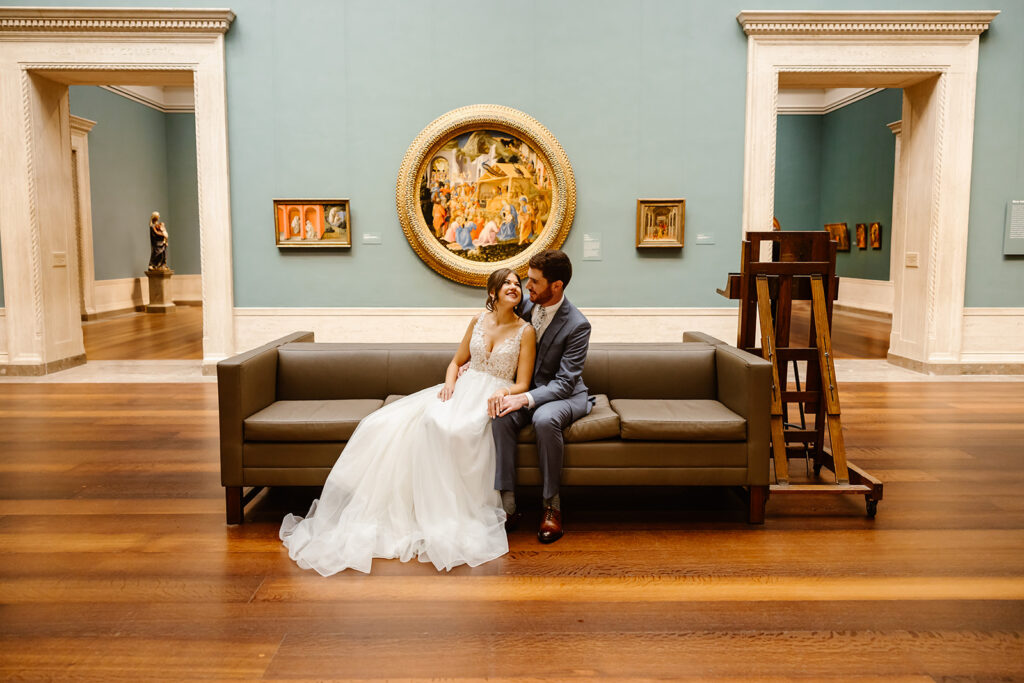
column 646, row 97
column 140, row 160
column 838, row 168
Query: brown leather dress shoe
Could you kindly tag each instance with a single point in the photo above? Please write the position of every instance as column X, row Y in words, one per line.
column 551, row 526
column 512, row 521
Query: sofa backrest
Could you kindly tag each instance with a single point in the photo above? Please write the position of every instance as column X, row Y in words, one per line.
column 342, row 371
column 654, row 371
column 308, row 371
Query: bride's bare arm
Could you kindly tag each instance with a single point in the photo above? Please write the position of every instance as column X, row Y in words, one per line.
column 501, row 401
column 461, row 357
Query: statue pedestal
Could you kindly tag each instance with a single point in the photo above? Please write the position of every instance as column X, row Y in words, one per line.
column 160, row 299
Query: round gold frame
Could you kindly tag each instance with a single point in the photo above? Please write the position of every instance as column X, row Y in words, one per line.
column 457, row 122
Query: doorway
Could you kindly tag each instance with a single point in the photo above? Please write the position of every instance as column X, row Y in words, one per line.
column 932, row 57
column 39, row 60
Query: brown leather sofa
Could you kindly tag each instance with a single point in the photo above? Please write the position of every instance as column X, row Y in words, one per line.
column 688, row 414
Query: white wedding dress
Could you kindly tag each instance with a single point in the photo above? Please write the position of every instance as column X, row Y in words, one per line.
column 415, row 480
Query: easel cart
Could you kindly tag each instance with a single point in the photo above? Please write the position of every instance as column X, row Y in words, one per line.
column 802, row 268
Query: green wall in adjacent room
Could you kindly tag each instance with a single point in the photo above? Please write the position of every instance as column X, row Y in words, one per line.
column 140, row 160
column 858, row 152
column 647, row 97
column 798, row 171
column 838, row 168
column 182, row 194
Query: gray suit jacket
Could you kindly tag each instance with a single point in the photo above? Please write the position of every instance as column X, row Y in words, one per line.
column 561, row 352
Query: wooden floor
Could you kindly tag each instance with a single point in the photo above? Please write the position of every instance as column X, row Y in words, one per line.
column 146, row 336
column 117, row 564
column 854, row 335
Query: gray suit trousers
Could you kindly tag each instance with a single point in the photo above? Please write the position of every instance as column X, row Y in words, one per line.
column 550, row 420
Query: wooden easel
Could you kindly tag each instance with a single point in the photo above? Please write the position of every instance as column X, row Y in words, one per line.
column 802, row 267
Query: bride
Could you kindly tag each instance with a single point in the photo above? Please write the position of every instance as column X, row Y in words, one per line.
column 417, row 477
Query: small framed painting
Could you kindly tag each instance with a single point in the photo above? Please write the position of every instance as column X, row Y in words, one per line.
column 319, row 223
column 841, row 234
column 862, row 236
column 660, row 222
column 875, row 232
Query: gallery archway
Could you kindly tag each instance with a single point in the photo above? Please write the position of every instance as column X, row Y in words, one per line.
column 42, row 52
column 933, row 57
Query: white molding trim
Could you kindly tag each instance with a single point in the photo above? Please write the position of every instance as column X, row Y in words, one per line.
column 933, row 56
column 256, row 326
column 820, row 101
column 866, row 295
column 993, row 335
column 170, row 99
column 824, row 23
column 132, row 292
column 110, row 20
column 101, row 46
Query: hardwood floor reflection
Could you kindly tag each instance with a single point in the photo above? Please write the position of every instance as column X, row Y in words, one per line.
column 854, row 334
column 146, row 336
column 117, row 562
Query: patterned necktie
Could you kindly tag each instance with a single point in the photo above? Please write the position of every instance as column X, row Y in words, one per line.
column 538, row 319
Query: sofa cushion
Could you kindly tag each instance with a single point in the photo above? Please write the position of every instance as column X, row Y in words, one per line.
column 309, row 420
column 601, row 423
column 694, row 420
column 392, row 398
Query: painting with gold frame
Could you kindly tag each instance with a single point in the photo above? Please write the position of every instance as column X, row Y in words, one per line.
column 841, row 234
column 660, row 222
column 318, row 223
column 484, row 187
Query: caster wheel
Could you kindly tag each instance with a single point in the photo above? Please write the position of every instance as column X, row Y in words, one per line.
column 872, row 507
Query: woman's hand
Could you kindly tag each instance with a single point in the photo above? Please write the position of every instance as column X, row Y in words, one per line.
column 446, row 392
column 494, row 402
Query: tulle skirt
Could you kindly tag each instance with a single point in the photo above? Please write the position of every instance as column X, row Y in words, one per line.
column 415, row 480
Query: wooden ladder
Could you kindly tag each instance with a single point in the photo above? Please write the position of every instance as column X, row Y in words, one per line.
column 802, row 267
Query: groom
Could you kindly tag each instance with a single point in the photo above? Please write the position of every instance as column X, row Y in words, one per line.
column 557, row 396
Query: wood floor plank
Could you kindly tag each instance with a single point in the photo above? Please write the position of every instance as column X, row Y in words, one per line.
column 118, row 563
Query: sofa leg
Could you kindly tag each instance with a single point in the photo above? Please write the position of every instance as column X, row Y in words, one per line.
column 235, row 505
column 758, row 500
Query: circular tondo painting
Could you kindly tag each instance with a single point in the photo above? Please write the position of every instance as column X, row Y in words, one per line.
column 485, row 195
column 483, row 187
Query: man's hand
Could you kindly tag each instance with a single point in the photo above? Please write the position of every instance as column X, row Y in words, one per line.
column 510, row 404
column 446, row 392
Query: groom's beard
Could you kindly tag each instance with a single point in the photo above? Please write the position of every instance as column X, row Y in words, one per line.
column 542, row 298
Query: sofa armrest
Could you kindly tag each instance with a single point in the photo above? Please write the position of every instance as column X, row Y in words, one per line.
column 246, row 383
column 702, row 337
column 744, row 387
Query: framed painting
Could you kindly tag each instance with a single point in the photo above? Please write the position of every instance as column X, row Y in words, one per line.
column 319, row 223
column 875, row 232
column 484, row 187
column 659, row 222
column 862, row 236
column 841, row 234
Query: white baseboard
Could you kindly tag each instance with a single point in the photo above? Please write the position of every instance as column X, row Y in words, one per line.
column 256, row 326
column 867, row 295
column 129, row 292
column 993, row 335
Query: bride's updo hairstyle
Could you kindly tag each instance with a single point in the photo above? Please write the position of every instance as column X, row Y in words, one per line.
column 494, row 284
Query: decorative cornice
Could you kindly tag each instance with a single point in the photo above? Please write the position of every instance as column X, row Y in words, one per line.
column 798, row 22
column 113, row 20
column 81, row 125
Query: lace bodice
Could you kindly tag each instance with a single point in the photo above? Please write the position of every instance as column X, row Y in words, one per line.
column 503, row 360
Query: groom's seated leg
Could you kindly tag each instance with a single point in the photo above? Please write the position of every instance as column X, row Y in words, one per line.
column 550, row 420
column 506, row 436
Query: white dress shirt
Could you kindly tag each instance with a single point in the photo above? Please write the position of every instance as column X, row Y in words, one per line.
column 549, row 314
